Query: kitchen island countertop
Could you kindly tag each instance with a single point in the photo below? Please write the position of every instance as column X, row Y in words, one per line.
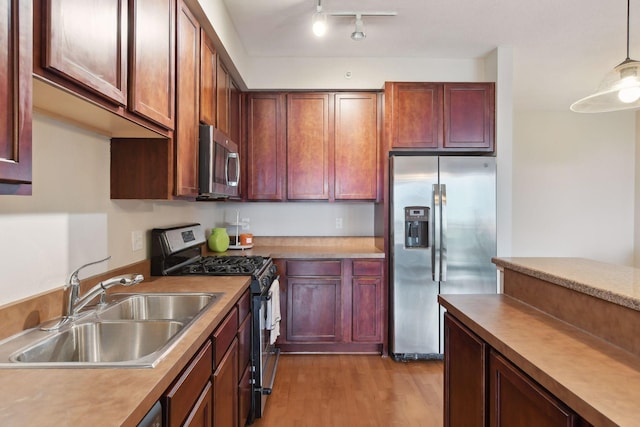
column 571, row 325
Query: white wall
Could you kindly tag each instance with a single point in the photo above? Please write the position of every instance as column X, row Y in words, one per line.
column 573, row 185
column 71, row 220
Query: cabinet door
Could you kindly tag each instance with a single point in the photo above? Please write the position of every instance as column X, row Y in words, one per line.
column 225, row 389
column 201, row 415
column 208, row 66
column 465, row 361
column 187, row 133
column 309, row 146
column 15, row 97
column 266, row 156
column 314, row 307
column 356, row 146
column 515, row 400
column 469, row 111
column 86, row 42
column 152, row 71
column 223, row 98
column 367, row 309
column 416, row 115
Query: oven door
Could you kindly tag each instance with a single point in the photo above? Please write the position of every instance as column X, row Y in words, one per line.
column 266, row 355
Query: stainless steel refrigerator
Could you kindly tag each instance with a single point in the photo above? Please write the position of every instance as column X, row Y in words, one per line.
column 443, row 235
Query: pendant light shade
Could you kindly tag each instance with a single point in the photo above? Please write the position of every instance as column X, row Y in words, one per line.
column 619, row 90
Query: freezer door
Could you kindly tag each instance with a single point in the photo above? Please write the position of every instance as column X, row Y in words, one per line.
column 414, row 317
column 468, row 185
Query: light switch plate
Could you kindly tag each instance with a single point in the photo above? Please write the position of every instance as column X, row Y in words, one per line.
column 137, row 241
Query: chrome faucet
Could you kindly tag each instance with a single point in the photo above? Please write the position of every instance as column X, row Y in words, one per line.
column 74, row 303
column 101, row 288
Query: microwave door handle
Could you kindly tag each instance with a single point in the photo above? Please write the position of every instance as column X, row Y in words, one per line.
column 230, row 156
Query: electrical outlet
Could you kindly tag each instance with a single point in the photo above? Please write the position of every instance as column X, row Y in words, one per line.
column 338, row 223
column 246, row 223
column 137, row 241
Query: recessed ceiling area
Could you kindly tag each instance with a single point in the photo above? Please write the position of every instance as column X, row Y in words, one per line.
column 561, row 49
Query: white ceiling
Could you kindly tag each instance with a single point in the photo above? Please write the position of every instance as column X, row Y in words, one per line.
column 561, row 48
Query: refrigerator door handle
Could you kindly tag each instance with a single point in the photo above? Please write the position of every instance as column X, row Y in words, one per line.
column 443, row 228
column 435, row 233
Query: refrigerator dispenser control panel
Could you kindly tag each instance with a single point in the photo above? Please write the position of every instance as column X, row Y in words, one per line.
column 416, row 226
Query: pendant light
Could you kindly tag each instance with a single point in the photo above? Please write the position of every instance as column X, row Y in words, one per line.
column 619, row 90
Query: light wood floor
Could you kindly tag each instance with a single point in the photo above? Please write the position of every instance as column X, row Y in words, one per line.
column 354, row 391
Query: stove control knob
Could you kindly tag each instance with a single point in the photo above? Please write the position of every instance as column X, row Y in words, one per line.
column 273, row 269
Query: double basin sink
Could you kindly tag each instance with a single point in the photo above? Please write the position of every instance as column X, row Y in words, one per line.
column 131, row 330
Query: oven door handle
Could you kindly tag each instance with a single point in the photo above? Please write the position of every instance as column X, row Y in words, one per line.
column 267, row 296
column 276, row 353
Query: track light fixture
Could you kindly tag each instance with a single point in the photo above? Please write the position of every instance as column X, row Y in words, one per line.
column 358, row 33
column 319, row 20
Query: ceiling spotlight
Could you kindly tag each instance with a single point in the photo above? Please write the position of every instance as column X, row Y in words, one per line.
column 358, row 33
column 319, row 21
column 619, row 90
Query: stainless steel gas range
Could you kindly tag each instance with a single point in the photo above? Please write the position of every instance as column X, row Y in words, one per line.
column 177, row 251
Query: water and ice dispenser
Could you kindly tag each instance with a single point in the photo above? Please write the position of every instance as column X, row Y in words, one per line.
column 416, row 226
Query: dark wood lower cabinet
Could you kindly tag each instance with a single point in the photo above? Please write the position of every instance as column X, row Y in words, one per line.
column 483, row 388
column 332, row 305
column 200, row 415
column 464, row 376
column 186, row 400
column 225, row 389
column 515, row 400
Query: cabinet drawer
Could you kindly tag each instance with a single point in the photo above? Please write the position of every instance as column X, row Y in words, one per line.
column 224, row 335
column 367, row 268
column 314, row 268
column 244, row 306
column 185, row 390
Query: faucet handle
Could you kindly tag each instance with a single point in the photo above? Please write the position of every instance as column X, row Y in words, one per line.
column 73, row 278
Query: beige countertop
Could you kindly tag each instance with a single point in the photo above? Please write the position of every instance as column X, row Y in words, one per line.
column 614, row 283
column 595, row 378
column 313, row 247
column 113, row 397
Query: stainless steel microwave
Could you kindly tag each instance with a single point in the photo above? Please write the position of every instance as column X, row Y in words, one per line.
column 219, row 165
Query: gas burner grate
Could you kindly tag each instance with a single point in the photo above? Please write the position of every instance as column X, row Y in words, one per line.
column 225, row 265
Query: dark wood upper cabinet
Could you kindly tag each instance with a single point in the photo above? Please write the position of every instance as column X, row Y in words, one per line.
column 469, row 111
column 415, row 116
column 15, row 97
column 455, row 117
column 208, row 66
column 188, row 102
column 356, row 146
column 266, row 146
column 87, row 43
column 152, row 60
column 309, row 146
column 223, row 89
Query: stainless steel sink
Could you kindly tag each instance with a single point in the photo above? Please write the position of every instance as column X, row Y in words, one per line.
column 131, row 330
column 174, row 306
column 101, row 342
